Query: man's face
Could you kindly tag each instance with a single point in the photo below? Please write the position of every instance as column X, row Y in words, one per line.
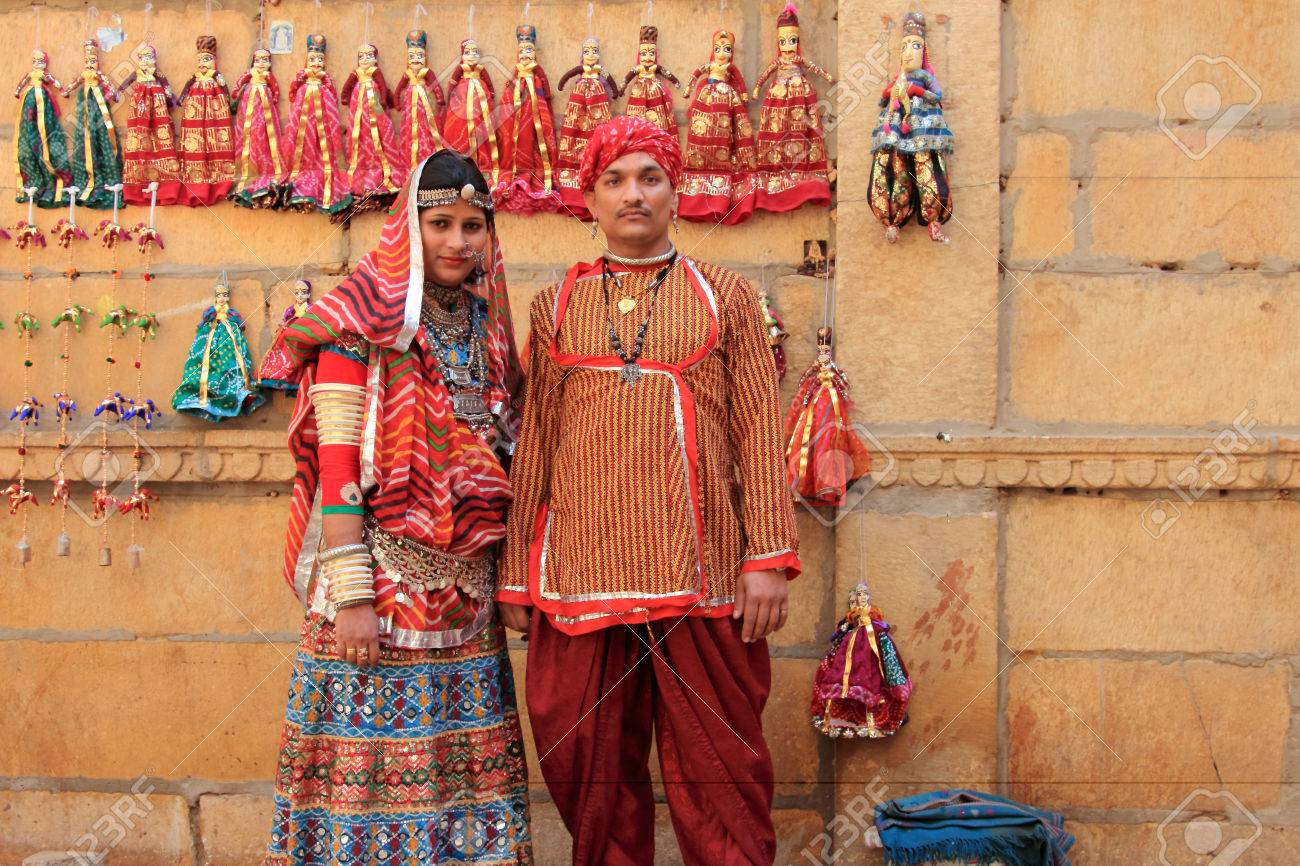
column 646, row 55
column 205, row 61
column 788, row 40
column 633, row 200
column 315, row 60
column 366, row 57
column 590, row 55
column 415, row 57
column 527, row 51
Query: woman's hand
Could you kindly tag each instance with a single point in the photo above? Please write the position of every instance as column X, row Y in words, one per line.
column 515, row 616
column 356, row 635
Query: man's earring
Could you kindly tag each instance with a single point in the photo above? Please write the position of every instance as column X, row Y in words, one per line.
column 676, row 228
column 594, row 227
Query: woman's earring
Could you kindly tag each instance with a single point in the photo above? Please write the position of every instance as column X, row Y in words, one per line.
column 594, row 228
column 676, row 228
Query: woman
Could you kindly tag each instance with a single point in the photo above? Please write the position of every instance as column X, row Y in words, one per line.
column 401, row 743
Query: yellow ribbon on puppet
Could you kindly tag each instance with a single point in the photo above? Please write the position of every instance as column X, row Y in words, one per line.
column 527, row 78
column 89, row 88
column 257, row 89
column 420, row 105
column 369, row 98
column 206, row 369
column 326, row 153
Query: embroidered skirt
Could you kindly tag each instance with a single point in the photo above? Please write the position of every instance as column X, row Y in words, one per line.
column 418, row 760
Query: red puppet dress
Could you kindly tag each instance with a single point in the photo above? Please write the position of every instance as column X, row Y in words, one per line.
column 420, row 99
column 314, row 172
column 588, row 108
column 791, row 147
column 149, row 152
column 257, row 135
column 471, row 123
column 718, row 184
column 527, row 182
column 207, row 148
column 375, row 165
column 647, row 96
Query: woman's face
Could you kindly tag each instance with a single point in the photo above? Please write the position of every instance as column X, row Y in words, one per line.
column 722, row 52
column 590, row 55
column 470, row 53
column 445, row 231
column 262, row 60
column 913, row 53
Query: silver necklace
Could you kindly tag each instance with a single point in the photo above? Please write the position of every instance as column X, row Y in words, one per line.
column 648, row 260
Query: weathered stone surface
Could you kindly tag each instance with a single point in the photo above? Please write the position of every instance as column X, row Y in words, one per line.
column 201, row 710
column 1057, row 72
column 1155, row 205
column 1109, row 734
column 212, row 589
column 137, row 826
column 1081, row 572
column 234, row 828
column 1039, row 193
column 934, row 578
column 1069, row 362
column 790, row 738
column 1186, row 843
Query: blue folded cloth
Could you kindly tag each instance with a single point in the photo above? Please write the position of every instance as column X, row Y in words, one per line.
column 970, row 825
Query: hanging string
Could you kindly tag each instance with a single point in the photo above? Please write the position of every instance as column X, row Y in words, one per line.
column 828, row 302
column 469, row 25
column 316, row 23
column 367, row 9
column 36, row 10
column 207, row 16
column 528, row 5
column 92, row 14
column 148, row 12
column 722, row 8
column 649, row 11
column 591, row 10
column 261, row 23
column 415, row 15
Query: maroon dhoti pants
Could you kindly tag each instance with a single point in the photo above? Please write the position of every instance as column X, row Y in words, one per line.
column 594, row 702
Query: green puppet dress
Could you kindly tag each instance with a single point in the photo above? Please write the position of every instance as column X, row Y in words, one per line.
column 217, row 382
column 96, row 152
column 40, row 152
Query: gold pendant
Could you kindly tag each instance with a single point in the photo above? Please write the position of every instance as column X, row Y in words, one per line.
column 626, row 305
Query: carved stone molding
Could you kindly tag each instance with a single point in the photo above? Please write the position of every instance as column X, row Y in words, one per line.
column 984, row 460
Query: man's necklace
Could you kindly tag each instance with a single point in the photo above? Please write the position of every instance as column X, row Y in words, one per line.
column 628, row 302
column 631, row 370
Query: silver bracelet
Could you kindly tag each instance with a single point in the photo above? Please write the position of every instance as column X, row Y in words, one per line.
column 341, row 551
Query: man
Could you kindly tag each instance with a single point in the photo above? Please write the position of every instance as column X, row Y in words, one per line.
column 652, row 535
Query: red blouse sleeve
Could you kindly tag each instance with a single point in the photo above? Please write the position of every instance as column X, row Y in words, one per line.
column 340, row 465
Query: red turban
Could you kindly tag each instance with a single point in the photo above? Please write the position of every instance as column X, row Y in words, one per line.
column 623, row 135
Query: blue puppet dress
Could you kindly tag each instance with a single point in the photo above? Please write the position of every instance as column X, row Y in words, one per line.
column 217, row 382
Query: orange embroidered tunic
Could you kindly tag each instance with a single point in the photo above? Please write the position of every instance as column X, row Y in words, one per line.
column 636, row 503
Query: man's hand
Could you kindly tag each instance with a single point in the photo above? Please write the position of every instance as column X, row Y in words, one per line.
column 356, row 635
column 515, row 616
column 763, row 601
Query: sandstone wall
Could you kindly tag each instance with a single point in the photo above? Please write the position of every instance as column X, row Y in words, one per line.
column 1091, row 577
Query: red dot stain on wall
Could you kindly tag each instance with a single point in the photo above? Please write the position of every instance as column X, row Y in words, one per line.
column 951, row 619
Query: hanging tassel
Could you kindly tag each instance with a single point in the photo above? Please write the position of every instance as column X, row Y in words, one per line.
column 775, row 334
column 861, row 688
column 823, row 454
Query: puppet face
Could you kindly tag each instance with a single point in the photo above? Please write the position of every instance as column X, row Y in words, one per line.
column 367, row 57
column 415, row 57
column 646, row 55
column 92, row 60
column 261, row 60
column 470, row 53
column 146, row 57
column 722, row 52
column 590, row 54
column 38, row 60
column 302, row 291
column 787, row 39
column 206, row 61
column 527, row 51
column 223, row 296
column 315, row 60
column 913, row 53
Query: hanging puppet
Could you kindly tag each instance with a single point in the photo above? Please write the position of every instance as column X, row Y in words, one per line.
column 823, row 454
column 419, row 97
column 149, row 153
column 375, row 166
column 861, row 688
column 40, row 152
column 313, row 138
column 217, row 382
column 588, row 107
column 527, row 135
column 791, row 148
column 718, row 184
column 258, row 167
column 207, row 149
column 909, row 164
column 647, row 96
column 276, row 357
column 471, row 123
column 96, row 151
